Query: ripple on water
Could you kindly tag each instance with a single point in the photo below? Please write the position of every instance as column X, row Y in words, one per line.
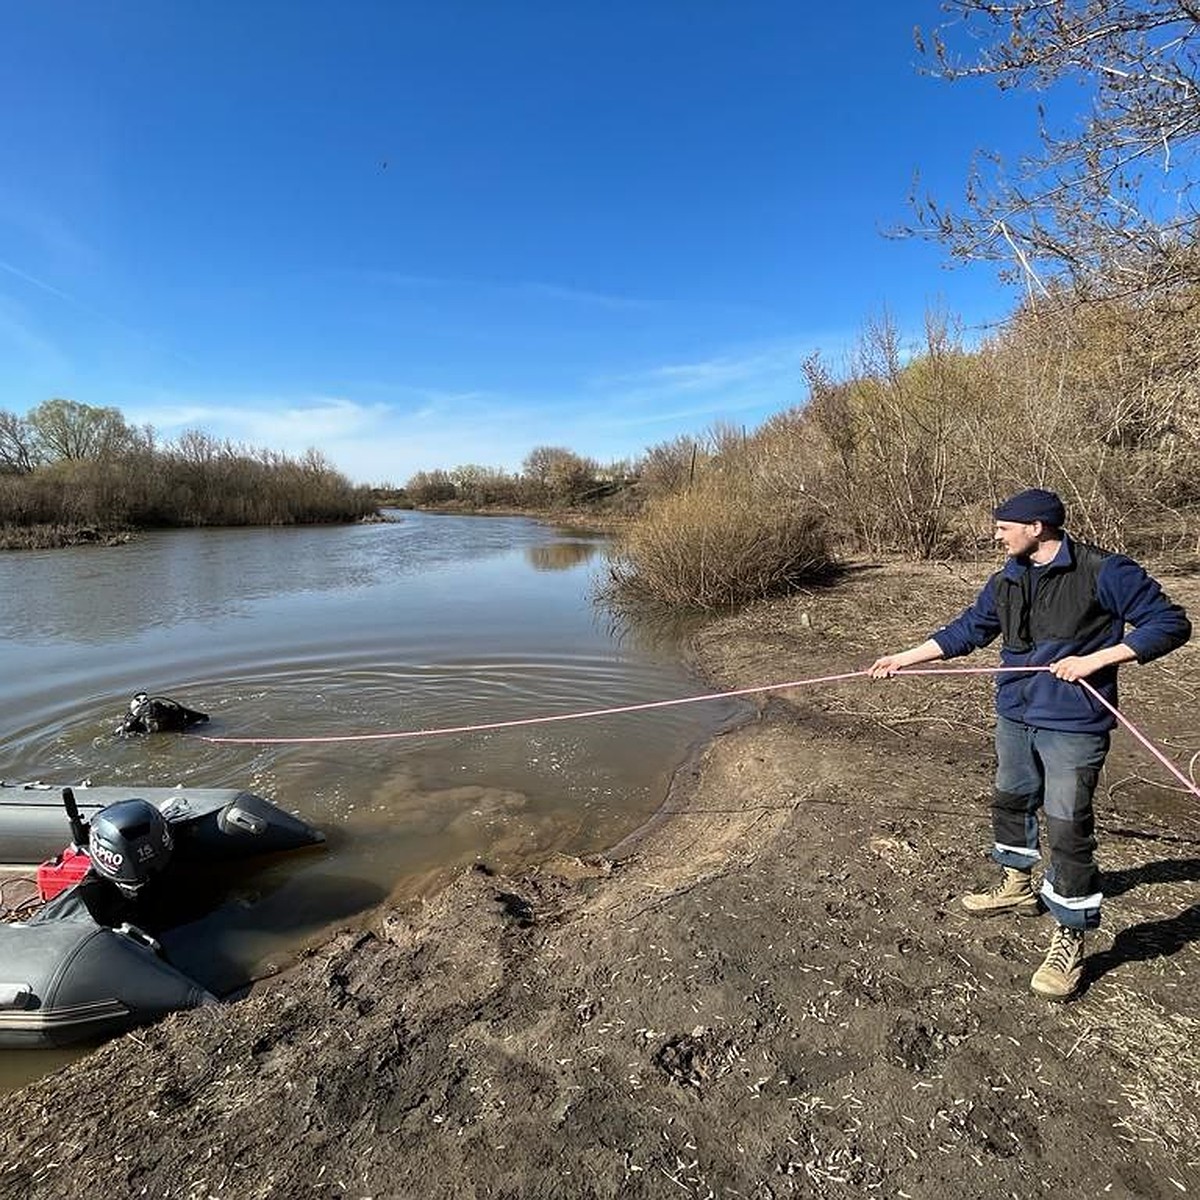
column 429, row 623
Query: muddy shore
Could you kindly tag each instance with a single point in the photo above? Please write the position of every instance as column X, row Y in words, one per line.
column 769, row 992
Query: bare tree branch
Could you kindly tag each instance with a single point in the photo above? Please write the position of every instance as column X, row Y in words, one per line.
column 1109, row 203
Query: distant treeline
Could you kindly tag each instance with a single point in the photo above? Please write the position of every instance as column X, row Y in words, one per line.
column 551, row 479
column 68, row 469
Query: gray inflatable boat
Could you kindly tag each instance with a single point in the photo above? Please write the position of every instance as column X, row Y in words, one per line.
column 88, row 965
column 210, row 824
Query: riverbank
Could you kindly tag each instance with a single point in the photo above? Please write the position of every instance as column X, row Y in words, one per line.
column 575, row 520
column 58, row 537
column 61, row 537
column 769, row 992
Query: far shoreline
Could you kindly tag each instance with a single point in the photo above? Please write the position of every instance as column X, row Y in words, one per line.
column 71, row 536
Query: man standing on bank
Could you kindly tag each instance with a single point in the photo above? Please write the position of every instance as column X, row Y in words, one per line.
column 1065, row 605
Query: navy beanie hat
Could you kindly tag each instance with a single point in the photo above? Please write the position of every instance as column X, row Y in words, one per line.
column 1033, row 504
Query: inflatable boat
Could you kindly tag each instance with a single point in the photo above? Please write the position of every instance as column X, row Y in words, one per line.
column 210, row 824
column 88, row 964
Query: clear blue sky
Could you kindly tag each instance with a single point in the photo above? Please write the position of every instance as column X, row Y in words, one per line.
column 423, row 234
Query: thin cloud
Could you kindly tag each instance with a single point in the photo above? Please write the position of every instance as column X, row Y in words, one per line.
column 262, row 419
column 46, row 234
column 763, row 403
column 41, row 354
column 751, row 384
column 95, row 314
column 34, row 281
column 502, row 288
column 719, row 371
column 742, row 385
column 574, row 295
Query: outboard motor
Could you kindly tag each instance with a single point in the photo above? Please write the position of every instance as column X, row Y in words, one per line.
column 158, row 714
column 129, row 843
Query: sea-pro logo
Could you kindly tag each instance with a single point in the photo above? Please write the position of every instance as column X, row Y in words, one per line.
column 111, row 860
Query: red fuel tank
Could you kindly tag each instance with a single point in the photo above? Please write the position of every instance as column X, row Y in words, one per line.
column 62, row 871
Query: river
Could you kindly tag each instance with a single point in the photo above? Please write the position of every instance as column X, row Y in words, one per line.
column 423, row 622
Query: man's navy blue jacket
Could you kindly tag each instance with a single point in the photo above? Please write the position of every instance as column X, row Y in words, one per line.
column 1079, row 602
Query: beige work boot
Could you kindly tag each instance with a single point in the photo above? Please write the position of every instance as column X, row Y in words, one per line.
column 1059, row 976
column 1014, row 894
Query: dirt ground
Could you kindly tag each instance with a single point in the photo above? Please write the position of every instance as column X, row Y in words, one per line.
column 769, row 992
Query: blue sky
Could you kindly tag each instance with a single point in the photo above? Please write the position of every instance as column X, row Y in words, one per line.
column 417, row 235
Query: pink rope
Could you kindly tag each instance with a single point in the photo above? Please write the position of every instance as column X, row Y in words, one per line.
column 630, row 708
column 571, row 716
column 1141, row 737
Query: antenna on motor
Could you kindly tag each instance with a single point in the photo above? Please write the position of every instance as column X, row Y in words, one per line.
column 79, row 829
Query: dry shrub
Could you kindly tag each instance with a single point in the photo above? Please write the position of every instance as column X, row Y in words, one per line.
column 670, row 467
column 722, row 543
column 894, row 439
column 1101, row 402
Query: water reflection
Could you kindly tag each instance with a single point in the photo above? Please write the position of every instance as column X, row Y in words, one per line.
column 258, row 916
column 653, row 633
column 560, row 556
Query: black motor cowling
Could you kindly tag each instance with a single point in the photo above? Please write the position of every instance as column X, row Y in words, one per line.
column 129, row 843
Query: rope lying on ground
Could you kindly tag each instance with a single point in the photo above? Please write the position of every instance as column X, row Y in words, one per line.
column 729, row 695
column 24, row 897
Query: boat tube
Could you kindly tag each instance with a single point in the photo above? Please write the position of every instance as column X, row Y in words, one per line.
column 208, row 824
column 88, row 965
column 66, row 978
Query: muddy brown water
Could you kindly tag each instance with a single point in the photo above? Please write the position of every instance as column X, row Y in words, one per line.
column 422, row 623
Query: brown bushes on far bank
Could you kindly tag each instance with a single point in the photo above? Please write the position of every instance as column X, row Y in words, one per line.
column 197, row 481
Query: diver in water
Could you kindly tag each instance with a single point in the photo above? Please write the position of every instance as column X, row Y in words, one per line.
column 157, row 714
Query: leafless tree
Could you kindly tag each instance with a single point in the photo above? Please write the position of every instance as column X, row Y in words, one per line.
column 16, row 455
column 1108, row 204
column 564, row 475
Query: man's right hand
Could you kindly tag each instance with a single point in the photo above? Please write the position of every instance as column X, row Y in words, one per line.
column 889, row 664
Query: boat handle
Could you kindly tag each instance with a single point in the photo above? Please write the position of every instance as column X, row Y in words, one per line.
column 134, row 934
column 242, row 819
